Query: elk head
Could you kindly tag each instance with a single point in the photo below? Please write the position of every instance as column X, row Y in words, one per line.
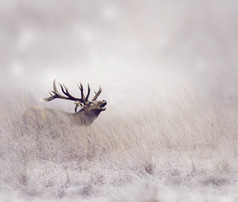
column 89, row 110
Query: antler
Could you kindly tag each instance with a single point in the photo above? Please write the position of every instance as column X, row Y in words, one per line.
column 55, row 94
column 88, row 93
column 82, row 95
column 67, row 96
column 97, row 94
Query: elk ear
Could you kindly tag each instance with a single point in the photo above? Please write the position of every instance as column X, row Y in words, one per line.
column 78, row 104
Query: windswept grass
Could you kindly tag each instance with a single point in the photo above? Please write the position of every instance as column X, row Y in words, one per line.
column 174, row 150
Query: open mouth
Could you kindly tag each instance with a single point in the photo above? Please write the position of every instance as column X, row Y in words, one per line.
column 102, row 106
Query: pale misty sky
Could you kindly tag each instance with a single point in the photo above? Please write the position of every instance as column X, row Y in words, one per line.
column 130, row 48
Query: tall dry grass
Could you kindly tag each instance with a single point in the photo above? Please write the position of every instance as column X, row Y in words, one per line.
column 186, row 142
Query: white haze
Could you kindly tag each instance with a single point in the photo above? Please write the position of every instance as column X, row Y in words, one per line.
column 128, row 47
column 169, row 73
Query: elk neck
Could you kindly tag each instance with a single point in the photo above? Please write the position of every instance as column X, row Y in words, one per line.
column 85, row 117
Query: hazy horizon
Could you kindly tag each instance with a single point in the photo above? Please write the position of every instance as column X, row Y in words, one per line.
column 138, row 48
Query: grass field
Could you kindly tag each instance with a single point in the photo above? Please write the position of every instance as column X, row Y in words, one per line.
column 169, row 73
column 184, row 149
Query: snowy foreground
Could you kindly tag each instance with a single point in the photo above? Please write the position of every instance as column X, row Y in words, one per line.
column 173, row 151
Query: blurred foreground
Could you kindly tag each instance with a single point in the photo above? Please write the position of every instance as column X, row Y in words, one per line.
column 179, row 150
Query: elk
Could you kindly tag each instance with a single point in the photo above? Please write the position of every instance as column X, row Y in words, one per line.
column 89, row 110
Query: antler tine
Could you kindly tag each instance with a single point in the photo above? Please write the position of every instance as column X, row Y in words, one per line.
column 48, row 98
column 55, row 94
column 62, row 88
column 54, row 87
column 82, row 95
column 66, row 92
column 88, row 93
column 97, row 94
